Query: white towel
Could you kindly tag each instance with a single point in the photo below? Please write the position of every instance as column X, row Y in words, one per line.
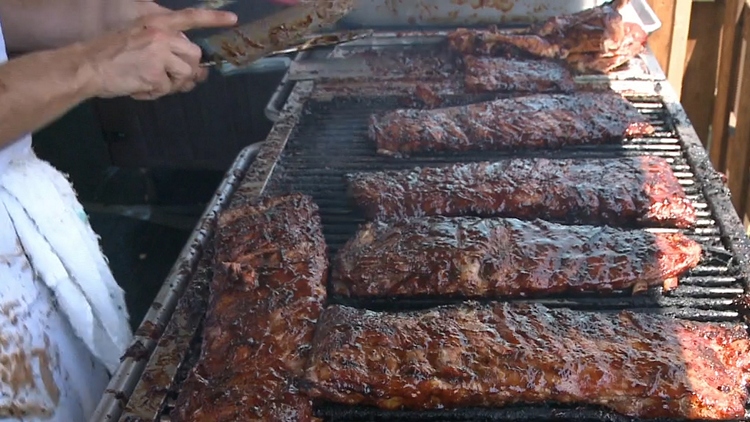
column 64, row 251
column 63, row 321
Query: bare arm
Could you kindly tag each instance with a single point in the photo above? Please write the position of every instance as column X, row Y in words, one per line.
column 148, row 60
column 40, row 87
column 30, row 25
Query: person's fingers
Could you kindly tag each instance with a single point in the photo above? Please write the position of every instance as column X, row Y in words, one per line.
column 191, row 54
column 188, row 86
column 180, row 72
column 186, row 50
column 143, row 96
column 158, row 81
column 201, row 75
column 160, row 90
column 163, row 87
column 183, row 20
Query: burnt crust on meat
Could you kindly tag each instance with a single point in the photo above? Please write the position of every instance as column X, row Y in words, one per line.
column 595, row 40
column 527, row 122
column 633, row 45
column 472, row 355
column 268, row 289
column 471, row 257
column 626, row 192
column 496, row 74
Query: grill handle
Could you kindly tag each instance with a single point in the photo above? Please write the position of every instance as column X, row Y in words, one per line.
column 281, row 95
column 279, row 98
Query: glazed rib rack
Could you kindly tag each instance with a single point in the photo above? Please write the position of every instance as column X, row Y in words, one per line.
column 330, row 140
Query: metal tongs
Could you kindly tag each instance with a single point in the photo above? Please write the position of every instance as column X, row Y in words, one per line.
column 287, row 31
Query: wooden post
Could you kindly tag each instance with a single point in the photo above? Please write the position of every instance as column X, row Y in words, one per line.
column 699, row 88
column 660, row 40
column 678, row 46
column 725, row 81
column 738, row 151
column 669, row 43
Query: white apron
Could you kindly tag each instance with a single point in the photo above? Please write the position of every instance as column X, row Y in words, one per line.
column 63, row 321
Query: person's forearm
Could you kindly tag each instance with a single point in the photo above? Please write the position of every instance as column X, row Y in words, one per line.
column 38, row 88
column 30, row 25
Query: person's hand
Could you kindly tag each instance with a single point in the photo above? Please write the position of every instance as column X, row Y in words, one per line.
column 119, row 14
column 153, row 57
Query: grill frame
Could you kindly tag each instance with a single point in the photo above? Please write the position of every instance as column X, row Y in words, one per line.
column 168, row 362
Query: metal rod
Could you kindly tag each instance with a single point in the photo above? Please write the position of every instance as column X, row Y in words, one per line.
column 123, row 381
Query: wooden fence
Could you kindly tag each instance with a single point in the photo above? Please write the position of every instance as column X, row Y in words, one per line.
column 728, row 140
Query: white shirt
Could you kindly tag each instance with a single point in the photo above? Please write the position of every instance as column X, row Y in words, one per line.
column 63, row 321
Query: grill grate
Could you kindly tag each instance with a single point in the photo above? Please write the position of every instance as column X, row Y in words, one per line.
column 336, row 413
column 331, row 140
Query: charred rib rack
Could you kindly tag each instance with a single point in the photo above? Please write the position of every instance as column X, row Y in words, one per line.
column 500, row 354
column 527, row 122
column 595, row 39
column 632, row 191
column 493, row 74
column 267, row 293
column 479, row 258
column 633, row 44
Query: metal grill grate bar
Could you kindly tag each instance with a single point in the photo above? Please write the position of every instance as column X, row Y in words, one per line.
column 331, row 140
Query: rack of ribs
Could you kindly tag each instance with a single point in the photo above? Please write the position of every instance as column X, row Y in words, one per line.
column 477, row 258
column 595, row 39
column 628, row 191
column 591, row 62
column 472, row 355
column 493, row 74
column 526, row 122
column 270, row 268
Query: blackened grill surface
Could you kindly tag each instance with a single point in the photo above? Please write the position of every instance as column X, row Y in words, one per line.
column 330, row 141
column 491, row 74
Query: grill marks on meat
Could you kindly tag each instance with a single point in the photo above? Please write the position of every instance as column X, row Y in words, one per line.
column 631, row 191
column 527, row 122
column 480, row 258
column 595, row 39
column 495, row 355
column 266, row 295
column 492, row 74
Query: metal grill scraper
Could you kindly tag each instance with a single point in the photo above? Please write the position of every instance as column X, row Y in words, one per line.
column 233, row 50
